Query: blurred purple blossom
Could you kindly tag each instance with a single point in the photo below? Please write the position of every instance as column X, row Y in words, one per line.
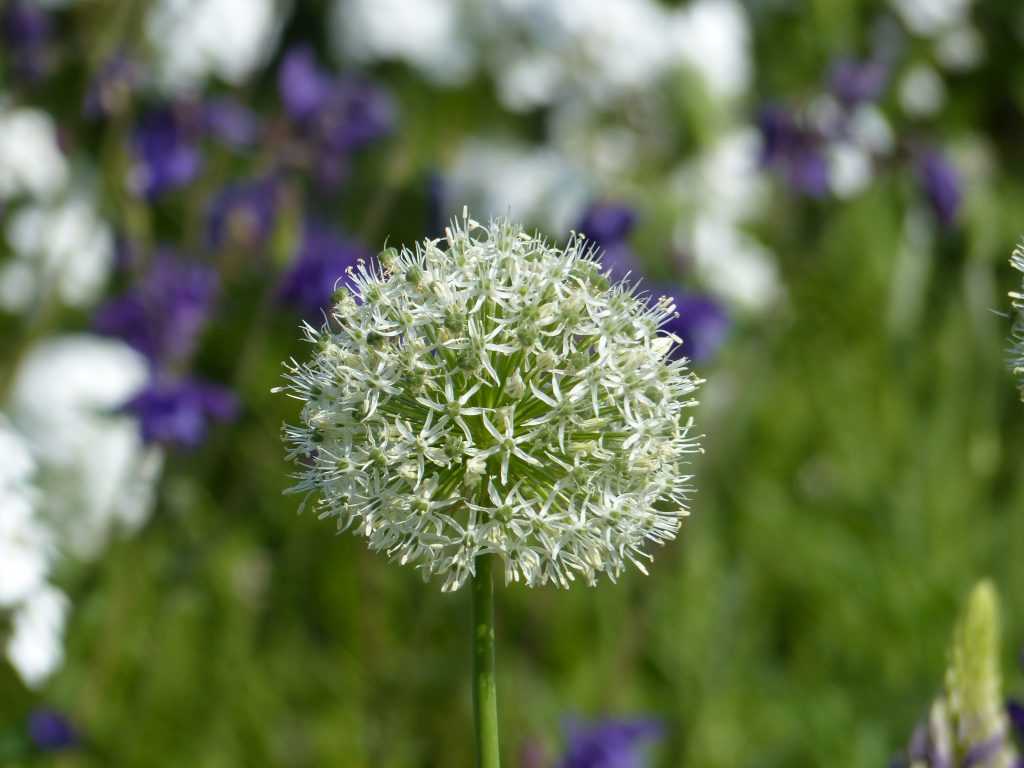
column 608, row 225
column 1015, row 714
column 301, row 84
column 332, row 117
column 230, row 122
column 166, row 153
column 26, row 31
column 794, row 150
column 180, row 412
column 113, row 87
column 702, row 324
column 609, row 743
column 243, row 214
column 981, row 754
column 127, row 255
column 354, row 114
column 51, row 731
column 319, row 267
column 854, row 82
column 940, row 183
column 164, row 313
column 435, row 204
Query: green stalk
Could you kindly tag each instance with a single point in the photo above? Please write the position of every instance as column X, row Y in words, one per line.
column 485, row 692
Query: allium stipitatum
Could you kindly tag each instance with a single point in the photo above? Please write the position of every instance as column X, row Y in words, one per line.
column 490, row 393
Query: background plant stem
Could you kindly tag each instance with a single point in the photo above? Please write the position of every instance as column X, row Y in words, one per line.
column 485, row 694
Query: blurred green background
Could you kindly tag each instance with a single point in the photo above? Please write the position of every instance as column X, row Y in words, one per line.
column 863, row 434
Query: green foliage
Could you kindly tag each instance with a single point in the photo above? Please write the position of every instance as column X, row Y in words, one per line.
column 862, row 466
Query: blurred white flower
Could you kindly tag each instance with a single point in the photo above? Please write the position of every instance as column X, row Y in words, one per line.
column 538, row 185
column 732, row 264
column 542, row 51
column 921, row 91
column 717, row 192
column 195, row 39
column 849, row 169
column 424, row 33
column 31, row 161
column 960, row 49
column 63, row 247
column 713, row 37
column 930, row 17
column 94, row 469
column 869, row 128
column 724, row 180
column 36, row 644
column 26, row 546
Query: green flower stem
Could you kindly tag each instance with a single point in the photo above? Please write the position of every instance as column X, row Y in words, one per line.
column 485, row 692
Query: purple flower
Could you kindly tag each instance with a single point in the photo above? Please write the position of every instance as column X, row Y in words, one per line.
column 609, row 743
column 435, row 204
column 354, row 114
column 26, row 31
column 166, row 153
column 50, row 731
column 180, row 412
column 112, row 89
column 163, row 315
column 243, row 214
column 620, row 260
column 301, row 84
column 332, row 118
column 855, row 81
column 795, row 150
column 607, row 223
column 323, row 257
column 230, row 122
column 1015, row 714
column 981, row 753
column 702, row 324
column 941, row 185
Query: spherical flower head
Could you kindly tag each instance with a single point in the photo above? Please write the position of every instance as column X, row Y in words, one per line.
column 490, row 393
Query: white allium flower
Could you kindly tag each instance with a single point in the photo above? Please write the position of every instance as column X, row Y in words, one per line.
column 490, row 393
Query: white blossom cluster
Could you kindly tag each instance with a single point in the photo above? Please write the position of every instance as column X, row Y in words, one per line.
column 61, row 247
column 490, row 393
column 37, row 610
column 72, row 473
column 541, row 52
column 194, row 40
